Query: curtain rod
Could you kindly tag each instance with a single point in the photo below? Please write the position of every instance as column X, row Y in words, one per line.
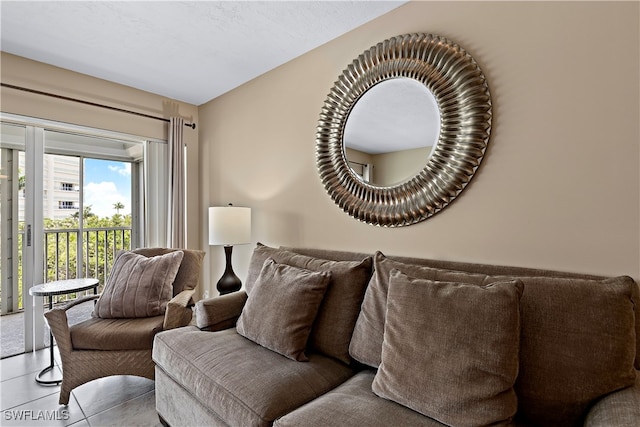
column 66, row 98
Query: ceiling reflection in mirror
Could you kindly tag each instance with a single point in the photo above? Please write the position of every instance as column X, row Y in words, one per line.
column 391, row 131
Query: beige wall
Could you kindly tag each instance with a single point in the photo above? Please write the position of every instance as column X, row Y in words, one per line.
column 391, row 168
column 559, row 187
column 35, row 75
column 399, row 166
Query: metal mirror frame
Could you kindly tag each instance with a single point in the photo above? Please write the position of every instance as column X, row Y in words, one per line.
column 464, row 102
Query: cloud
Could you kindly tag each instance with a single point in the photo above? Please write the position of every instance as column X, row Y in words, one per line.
column 102, row 196
column 124, row 169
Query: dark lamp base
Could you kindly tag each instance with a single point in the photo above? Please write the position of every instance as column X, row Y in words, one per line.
column 229, row 282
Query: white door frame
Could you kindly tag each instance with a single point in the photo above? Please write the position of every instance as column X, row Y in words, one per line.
column 33, row 245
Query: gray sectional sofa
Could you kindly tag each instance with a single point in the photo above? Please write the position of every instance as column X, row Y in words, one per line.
column 329, row 338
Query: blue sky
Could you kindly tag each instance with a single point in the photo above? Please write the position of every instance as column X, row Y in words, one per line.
column 107, row 182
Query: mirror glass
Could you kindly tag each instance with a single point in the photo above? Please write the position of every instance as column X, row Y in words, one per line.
column 391, row 131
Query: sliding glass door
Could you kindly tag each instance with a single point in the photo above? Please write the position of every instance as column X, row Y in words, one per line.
column 70, row 200
column 17, row 331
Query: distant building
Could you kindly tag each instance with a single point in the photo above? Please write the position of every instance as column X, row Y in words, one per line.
column 61, row 186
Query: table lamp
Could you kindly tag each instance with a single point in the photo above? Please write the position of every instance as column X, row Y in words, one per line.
column 228, row 226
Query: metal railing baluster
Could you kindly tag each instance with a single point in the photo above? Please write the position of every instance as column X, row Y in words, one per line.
column 115, row 238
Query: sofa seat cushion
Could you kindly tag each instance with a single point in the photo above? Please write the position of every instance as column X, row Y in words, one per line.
column 354, row 404
column 241, row 381
column 116, row 334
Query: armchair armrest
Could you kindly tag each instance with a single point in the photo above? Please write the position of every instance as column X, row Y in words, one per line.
column 619, row 409
column 215, row 314
column 178, row 313
column 59, row 324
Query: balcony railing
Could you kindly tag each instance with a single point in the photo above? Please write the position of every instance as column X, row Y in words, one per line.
column 97, row 247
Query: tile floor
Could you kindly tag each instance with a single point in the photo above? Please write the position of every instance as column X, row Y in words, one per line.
column 112, row 401
column 12, row 328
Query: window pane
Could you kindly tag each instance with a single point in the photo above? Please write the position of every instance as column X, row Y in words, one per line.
column 107, row 209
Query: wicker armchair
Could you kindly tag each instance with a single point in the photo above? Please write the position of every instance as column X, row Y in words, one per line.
column 97, row 348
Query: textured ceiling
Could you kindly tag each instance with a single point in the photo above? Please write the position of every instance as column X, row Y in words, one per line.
column 188, row 51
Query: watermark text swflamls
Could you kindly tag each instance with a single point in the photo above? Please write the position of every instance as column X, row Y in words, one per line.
column 31, row 415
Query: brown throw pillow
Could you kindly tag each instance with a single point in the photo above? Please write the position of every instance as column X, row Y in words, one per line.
column 366, row 343
column 281, row 308
column 188, row 274
column 138, row 286
column 337, row 315
column 450, row 350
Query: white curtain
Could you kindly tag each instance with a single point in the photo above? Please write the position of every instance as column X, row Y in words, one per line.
column 155, row 197
column 176, row 185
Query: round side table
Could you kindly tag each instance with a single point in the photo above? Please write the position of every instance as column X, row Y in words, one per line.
column 50, row 289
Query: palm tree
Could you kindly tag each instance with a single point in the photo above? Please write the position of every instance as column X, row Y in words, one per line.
column 117, row 206
column 86, row 213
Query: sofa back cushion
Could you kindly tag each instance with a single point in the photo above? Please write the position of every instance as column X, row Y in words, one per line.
column 493, row 270
column 339, row 310
column 368, row 335
column 578, row 334
column 578, row 344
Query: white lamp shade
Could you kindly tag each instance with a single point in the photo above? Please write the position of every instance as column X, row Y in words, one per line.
column 229, row 225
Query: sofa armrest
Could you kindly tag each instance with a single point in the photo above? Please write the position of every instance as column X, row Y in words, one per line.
column 59, row 324
column 215, row 314
column 619, row 409
column 178, row 312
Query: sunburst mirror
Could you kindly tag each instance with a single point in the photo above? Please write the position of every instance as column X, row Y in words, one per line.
column 403, row 130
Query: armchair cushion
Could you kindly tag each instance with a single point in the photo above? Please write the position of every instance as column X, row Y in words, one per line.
column 464, row 337
column 138, row 286
column 281, row 308
column 116, row 334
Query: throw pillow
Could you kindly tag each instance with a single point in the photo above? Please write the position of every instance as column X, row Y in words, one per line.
column 188, row 274
column 450, row 350
column 138, row 286
column 281, row 308
column 366, row 343
column 337, row 315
